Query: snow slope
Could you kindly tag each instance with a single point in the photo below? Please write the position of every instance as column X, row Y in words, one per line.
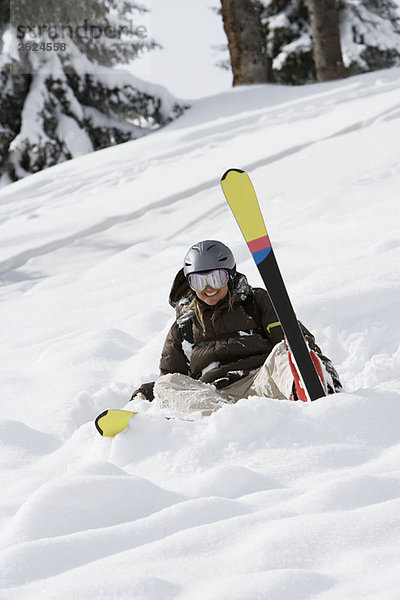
column 264, row 499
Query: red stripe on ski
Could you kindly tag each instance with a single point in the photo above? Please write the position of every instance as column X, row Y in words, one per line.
column 259, row 244
column 300, row 391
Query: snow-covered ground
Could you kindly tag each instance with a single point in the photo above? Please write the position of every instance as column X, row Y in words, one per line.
column 265, row 499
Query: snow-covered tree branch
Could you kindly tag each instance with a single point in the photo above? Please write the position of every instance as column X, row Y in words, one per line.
column 61, row 94
column 369, row 37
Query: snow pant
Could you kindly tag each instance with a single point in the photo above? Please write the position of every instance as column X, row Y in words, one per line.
column 273, row 379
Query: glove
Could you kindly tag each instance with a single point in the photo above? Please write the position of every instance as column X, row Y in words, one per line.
column 146, row 389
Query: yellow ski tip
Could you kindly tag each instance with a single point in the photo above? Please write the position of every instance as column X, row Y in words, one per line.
column 241, row 197
column 113, row 421
column 225, row 175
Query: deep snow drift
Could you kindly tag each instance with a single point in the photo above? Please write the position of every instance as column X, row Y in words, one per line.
column 264, row 499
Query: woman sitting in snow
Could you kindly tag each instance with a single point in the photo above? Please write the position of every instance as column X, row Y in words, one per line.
column 226, row 342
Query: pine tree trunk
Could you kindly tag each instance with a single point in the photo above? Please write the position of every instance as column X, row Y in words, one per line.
column 326, row 39
column 246, row 41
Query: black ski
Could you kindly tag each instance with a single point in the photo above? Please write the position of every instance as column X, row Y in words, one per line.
column 243, row 202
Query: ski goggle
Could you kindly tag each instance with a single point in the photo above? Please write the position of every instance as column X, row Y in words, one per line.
column 215, row 279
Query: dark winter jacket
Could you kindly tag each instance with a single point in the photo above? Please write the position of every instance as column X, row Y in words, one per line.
column 239, row 333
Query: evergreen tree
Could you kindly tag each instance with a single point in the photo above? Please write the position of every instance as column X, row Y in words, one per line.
column 60, row 95
column 369, row 37
column 370, row 32
column 289, row 40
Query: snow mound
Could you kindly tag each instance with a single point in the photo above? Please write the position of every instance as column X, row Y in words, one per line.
column 265, row 498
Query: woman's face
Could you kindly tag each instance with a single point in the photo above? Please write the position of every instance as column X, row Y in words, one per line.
column 212, row 296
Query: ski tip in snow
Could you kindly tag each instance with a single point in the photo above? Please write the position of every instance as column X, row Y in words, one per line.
column 113, row 421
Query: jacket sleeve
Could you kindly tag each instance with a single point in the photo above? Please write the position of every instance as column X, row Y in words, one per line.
column 269, row 319
column 173, row 358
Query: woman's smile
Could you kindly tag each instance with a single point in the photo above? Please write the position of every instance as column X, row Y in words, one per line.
column 212, row 296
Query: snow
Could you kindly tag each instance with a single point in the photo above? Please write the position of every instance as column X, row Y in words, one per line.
column 210, row 367
column 265, row 498
column 76, row 139
column 361, row 26
column 299, row 45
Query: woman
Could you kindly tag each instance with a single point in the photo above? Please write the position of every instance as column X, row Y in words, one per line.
column 226, row 342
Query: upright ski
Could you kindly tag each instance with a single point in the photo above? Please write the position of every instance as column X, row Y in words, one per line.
column 242, row 199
